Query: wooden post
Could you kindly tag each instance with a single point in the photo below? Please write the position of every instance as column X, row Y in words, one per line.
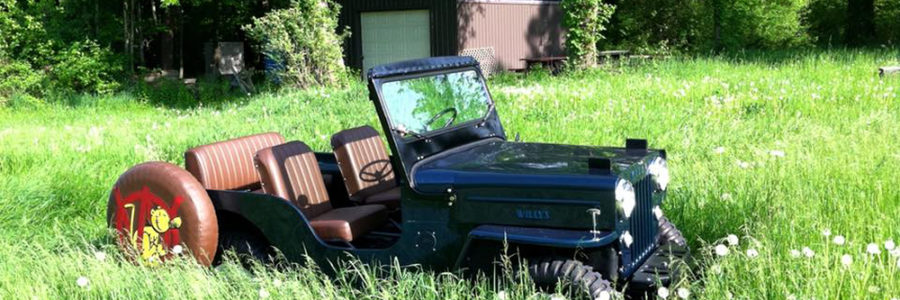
column 890, row 70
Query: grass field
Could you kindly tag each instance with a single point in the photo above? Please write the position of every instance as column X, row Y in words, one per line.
column 787, row 151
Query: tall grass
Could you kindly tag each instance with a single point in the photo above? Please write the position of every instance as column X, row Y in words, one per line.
column 773, row 148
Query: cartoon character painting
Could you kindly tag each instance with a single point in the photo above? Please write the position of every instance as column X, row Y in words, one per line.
column 151, row 227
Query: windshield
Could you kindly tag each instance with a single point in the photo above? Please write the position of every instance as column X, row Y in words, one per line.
column 424, row 104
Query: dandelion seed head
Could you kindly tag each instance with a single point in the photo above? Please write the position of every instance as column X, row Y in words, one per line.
column 721, row 250
column 826, row 232
column 809, row 253
column 889, row 245
column 683, row 293
column 557, row 297
column 662, row 292
column 263, row 293
column 82, row 281
column 502, row 295
column 604, row 295
column 777, row 153
column 719, row 150
column 277, row 282
column 846, row 260
column 795, row 253
column 839, row 240
column 732, row 240
column 752, row 253
column 177, row 249
column 873, row 249
column 100, row 255
column 726, row 196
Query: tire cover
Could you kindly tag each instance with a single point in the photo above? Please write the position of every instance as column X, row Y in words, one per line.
column 158, row 210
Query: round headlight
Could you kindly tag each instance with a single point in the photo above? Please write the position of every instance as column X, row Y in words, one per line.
column 625, row 197
column 659, row 170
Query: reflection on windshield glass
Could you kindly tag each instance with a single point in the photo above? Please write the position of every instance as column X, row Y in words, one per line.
column 429, row 103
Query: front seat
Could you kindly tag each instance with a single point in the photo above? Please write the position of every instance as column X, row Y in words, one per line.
column 290, row 171
column 366, row 167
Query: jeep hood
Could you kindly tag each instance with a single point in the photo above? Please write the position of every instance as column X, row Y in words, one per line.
column 500, row 164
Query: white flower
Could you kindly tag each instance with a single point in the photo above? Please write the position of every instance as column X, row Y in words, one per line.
column 719, row 150
column 743, row 164
column 263, row 293
column 752, row 253
column 889, row 245
column 895, row 252
column 604, row 295
column 808, row 252
column 729, row 295
column 82, row 281
column 177, row 249
column 683, row 293
column 873, row 249
column 662, row 292
column 839, row 240
column 732, row 240
column 502, row 295
column 716, row 269
column 846, row 260
column 795, row 253
column 726, row 196
column 277, row 282
column 721, row 250
column 826, row 232
column 100, row 255
column 777, row 153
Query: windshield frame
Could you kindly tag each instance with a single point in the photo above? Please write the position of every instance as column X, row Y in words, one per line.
column 426, row 135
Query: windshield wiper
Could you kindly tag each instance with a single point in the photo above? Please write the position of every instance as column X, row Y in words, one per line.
column 408, row 132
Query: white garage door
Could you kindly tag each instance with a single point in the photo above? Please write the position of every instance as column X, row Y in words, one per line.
column 391, row 36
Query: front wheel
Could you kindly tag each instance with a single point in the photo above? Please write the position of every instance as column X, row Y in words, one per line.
column 548, row 272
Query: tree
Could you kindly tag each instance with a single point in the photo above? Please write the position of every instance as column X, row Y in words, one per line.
column 585, row 21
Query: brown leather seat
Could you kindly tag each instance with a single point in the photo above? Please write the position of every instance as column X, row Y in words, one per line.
column 290, row 171
column 228, row 165
column 366, row 167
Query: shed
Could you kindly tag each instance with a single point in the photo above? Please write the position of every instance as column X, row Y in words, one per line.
column 384, row 31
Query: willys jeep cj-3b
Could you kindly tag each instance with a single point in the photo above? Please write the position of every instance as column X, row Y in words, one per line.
column 454, row 195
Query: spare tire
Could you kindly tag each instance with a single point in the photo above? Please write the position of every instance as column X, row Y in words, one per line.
column 159, row 210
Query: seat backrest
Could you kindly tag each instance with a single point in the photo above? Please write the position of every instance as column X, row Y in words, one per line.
column 228, row 165
column 290, row 171
column 363, row 160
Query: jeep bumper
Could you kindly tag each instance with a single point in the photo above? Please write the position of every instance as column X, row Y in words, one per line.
column 665, row 266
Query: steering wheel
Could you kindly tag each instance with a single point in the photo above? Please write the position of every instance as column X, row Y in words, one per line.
column 443, row 112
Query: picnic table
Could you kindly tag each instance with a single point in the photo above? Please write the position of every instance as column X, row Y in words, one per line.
column 614, row 54
column 553, row 63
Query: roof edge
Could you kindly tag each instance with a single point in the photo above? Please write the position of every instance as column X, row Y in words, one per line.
column 421, row 66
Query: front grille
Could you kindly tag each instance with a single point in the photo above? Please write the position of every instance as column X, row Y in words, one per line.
column 643, row 227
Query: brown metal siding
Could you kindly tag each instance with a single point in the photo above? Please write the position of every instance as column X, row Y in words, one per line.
column 515, row 29
column 442, row 17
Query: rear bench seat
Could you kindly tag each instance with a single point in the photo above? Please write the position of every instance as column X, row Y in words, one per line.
column 290, row 171
column 228, row 165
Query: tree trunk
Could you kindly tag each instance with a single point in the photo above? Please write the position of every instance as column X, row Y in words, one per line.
column 167, row 41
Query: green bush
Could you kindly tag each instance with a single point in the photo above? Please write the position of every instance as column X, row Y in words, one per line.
column 827, row 21
column 17, row 77
column 887, row 22
column 84, row 67
column 762, row 24
column 303, row 39
column 656, row 26
column 585, row 21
